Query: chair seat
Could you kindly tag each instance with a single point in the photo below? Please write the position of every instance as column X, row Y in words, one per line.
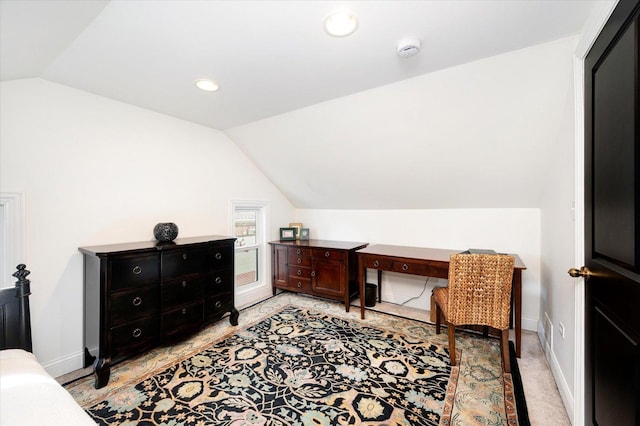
column 478, row 295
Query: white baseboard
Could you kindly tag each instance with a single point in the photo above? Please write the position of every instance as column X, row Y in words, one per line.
column 67, row 364
column 561, row 382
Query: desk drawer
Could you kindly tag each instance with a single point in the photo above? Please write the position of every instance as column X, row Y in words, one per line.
column 417, row 268
column 328, row 254
column 376, row 262
column 296, row 260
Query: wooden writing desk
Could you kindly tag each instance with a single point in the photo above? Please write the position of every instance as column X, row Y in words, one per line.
column 427, row 262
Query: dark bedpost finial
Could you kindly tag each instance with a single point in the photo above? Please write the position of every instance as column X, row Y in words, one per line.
column 22, row 273
column 23, row 290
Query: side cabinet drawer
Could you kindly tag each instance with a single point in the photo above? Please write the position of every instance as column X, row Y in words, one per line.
column 330, row 254
column 296, row 260
column 302, row 285
column 128, row 306
column 132, row 271
column 299, row 251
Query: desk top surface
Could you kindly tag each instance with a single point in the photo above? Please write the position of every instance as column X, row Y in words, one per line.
column 422, row 253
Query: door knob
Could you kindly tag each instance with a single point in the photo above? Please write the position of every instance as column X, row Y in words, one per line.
column 582, row 272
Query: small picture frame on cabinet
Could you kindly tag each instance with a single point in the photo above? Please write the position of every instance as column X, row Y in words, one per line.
column 298, row 227
column 304, row 234
column 288, row 234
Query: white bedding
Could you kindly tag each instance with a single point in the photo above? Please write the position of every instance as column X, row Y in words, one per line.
column 30, row 396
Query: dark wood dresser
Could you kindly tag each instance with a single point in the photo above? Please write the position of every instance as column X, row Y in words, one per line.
column 318, row 267
column 141, row 295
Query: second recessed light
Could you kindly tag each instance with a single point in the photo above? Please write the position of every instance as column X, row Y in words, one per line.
column 207, row 85
column 340, row 23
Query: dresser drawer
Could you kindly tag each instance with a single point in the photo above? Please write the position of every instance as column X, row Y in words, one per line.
column 219, row 281
column 328, row 254
column 132, row 271
column 179, row 322
column 216, row 306
column 127, row 306
column 377, row 263
column 176, row 263
column 299, row 251
column 182, row 291
column 135, row 336
column 299, row 272
column 219, row 257
column 297, row 260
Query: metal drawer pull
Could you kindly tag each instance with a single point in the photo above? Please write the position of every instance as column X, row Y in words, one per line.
column 299, row 272
column 218, row 304
column 376, row 263
column 405, row 267
column 137, row 301
column 299, row 260
column 313, row 273
column 137, row 333
column 184, row 311
column 184, row 256
column 327, row 254
column 218, row 280
column 136, row 270
column 299, row 284
column 298, row 251
column 184, row 283
column 218, row 256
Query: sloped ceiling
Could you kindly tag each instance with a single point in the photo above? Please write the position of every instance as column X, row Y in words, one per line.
column 280, row 75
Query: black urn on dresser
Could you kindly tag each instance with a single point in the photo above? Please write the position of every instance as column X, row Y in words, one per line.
column 141, row 295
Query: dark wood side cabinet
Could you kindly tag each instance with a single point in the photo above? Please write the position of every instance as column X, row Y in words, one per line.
column 141, row 295
column 318, row 267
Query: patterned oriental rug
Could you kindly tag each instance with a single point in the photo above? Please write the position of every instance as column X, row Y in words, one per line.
column 303, row 361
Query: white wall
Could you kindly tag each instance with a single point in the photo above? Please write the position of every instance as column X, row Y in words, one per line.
column 557, row 256
column 471, row 136
column 504, row 230
column 97, row 171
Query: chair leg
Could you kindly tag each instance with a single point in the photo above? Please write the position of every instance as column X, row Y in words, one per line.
column 504, row 343
column 438, row 318
column 452, row 343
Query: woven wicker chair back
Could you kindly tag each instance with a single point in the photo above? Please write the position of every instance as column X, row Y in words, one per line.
column 480, row 290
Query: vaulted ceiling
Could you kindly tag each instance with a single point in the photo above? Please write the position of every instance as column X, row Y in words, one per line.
column 273, row 58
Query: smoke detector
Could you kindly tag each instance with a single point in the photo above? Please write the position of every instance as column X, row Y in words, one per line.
column 408, row 47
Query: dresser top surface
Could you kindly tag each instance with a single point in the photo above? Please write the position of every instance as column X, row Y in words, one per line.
column 147, row 245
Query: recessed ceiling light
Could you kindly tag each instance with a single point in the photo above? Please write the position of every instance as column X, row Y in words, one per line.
column 207, row 85
column 340, row 23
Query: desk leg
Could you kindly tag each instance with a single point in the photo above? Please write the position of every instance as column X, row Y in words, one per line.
column 362, row 272
column 517, row 294
column 379, row 285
